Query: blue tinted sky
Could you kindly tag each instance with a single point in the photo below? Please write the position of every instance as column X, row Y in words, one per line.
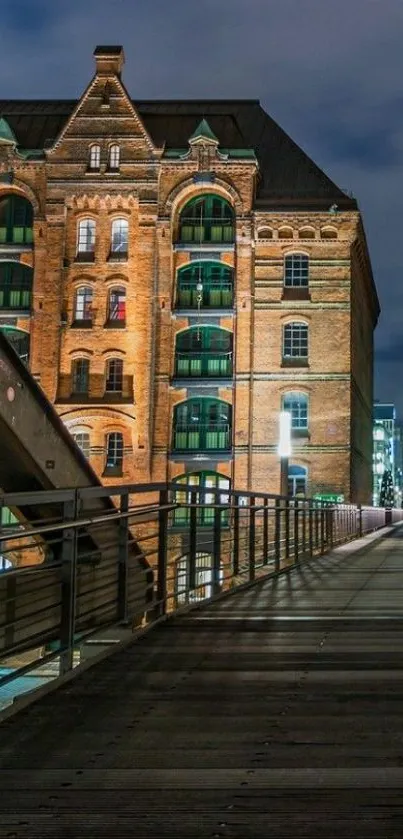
column 330, row 73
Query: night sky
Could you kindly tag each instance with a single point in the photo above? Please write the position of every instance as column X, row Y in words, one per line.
column 331, row 73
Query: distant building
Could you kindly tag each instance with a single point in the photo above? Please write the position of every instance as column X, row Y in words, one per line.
column 384, row 445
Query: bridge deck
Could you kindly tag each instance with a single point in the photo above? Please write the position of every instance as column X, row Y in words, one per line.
column 276, row 712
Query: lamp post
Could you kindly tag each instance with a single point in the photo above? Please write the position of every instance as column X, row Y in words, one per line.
column 284, row 449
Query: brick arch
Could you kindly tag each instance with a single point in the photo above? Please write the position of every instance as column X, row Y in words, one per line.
column 115, row 414
column 188, row 189
column 18, row 187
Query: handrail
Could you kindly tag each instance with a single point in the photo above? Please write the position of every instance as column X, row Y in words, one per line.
column 197, row 543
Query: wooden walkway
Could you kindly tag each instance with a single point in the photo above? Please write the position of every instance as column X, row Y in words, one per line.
column 277, row 712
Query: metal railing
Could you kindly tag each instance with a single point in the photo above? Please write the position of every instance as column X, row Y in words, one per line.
column 211, row 364
column 214, row 295
column 156, row 549
column 201, row 437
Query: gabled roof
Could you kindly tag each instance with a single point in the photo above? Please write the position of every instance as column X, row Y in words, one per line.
column 203, row 131
column 288, row 177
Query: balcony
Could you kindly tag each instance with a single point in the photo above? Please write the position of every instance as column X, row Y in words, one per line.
column 203, row 365
column 211, row 231
column 212, row 296
column 202, row 438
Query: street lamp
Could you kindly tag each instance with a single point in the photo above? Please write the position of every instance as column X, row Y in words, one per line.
column 284, row 449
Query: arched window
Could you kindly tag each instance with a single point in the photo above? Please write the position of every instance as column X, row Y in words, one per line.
column 328, row 233
column 94, row 161
column 16, row 220
column 86, row 240
column 297, row 480
column 297, row 405
column 119, row 238
column 15, row 286
column 203, row 351
column 208, row 285
column 296, row 270
column 203, row 579
column 207, row 218
column 295, row 341
column 306, row 233
column 265, row 233
column 117, row 307
column 202, row 424
column 80, row 376
column 114, row 453
column 114, row 158
column 82, row 440
column 83, row 304
column 114, row 375
column 286, row 233
column 204, row 482
column 19, row 340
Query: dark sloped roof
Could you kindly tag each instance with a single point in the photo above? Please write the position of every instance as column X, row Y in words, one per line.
column 288, row 176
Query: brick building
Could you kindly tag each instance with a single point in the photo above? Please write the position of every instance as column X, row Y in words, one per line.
column 177, row 272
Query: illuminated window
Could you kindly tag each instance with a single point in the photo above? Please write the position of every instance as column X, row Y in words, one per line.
column 297, row 405
column 95, row 157
column 120, row 237
column 297, row 480
column 86, row 239
column 83, row 304
column 114, row 158
column 117, row 305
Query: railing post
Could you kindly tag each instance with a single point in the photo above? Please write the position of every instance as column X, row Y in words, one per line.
column 123, row 559
column 265, row 531
column 287, row 528
column 252, row 537
column 317, row 516
column 216, row 548
column 329, row 528
column 193, row 541
column 310, row 528
column 322, row 528
column 277, row 535
column 304, row 512
column 296, row 531
column 359, row 516
column 68, row 586
column 235, row 551
column 162, row 551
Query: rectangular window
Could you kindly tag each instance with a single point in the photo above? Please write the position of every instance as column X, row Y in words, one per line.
column 295, row 343
column 86, row 236
column 117, row 305
column 114, row 451
column 297, row 405
column 81, row 370
column 114, row 376
column 296, row 270
column 82, row 439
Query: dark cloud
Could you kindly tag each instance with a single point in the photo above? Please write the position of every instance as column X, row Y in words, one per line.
column 329, row 73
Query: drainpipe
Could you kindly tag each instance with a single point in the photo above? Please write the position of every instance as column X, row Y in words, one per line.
column 251, row 367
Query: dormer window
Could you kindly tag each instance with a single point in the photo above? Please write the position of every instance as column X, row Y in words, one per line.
column 114, row 158
column 94, row 162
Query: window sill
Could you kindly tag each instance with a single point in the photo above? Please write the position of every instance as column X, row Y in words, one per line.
column 112, row 472
column 115, row 324
column 300, row 434
column 118, row 257
column 114, row 171
column 295, row 293
column 294, row 362
column 85, row 257
column 81, row 324
column 93, row 170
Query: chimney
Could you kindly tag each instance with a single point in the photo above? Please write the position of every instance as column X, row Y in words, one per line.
column 109, row 60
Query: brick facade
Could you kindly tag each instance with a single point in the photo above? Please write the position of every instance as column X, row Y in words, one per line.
column 150, row 190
